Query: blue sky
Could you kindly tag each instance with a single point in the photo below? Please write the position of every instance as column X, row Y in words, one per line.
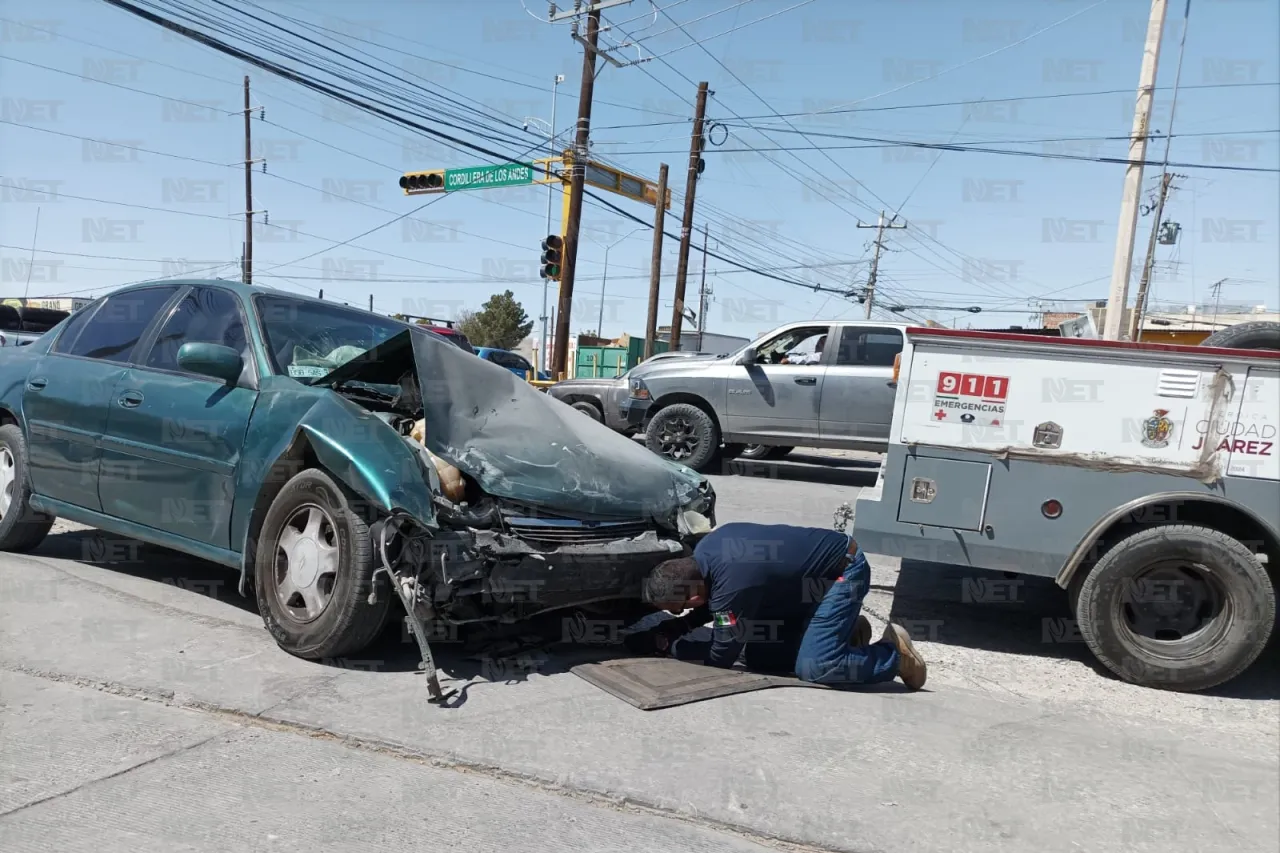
column 996, row 231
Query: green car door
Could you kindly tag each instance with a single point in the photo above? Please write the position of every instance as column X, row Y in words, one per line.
column 69, row 391
column 173, row 438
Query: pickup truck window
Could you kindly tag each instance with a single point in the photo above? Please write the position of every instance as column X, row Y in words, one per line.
column 792, row 344
column 868, row 346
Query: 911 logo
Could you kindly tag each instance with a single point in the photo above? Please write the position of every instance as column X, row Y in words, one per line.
column 969, row 398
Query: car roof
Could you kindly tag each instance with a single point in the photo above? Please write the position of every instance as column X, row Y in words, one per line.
column 247, row 290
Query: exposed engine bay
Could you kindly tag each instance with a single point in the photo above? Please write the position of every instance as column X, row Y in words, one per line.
column 489, row 557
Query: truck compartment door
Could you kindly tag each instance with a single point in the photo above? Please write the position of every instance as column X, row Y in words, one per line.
column 1251, row 436
column 944, row 493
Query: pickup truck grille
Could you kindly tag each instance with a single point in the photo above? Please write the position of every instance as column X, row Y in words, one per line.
column 564, row 531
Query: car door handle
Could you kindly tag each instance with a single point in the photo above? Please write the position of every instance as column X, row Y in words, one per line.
column 36, row 383
column 806, row 380
column 130, row 399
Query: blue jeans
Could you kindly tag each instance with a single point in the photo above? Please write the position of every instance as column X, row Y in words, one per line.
column 825, row 655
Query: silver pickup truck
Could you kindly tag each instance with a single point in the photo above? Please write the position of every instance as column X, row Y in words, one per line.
column 785, row 390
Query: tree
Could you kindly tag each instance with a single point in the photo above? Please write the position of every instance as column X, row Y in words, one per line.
column 500, row 323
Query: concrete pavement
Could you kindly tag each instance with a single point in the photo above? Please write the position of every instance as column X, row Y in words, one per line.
column 145, row 707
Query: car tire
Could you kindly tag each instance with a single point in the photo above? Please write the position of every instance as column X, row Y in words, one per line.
column 683, row 433
column 327, row 612
column 21, row 527
column 591, row 410
column 1207, row 572
column 1262, row 334
column 732, row 451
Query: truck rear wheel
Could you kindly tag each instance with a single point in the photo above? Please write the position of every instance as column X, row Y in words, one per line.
column 1177, row 607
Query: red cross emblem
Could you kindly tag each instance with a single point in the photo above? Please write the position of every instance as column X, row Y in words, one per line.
column 995, row 423
column 940, row 414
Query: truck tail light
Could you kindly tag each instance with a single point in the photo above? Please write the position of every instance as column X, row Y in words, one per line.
column 1051, row 508
column 897, row 366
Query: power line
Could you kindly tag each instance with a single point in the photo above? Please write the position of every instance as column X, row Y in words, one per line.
column 938, row 104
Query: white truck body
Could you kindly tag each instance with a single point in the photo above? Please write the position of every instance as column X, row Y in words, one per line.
column 1040, row 455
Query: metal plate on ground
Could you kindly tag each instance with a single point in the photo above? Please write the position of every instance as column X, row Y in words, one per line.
column 653, row 683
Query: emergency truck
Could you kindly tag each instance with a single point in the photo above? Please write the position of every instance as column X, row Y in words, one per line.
column 1143, row 478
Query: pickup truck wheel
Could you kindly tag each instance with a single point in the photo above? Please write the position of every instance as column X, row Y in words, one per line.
column 21, row 527
column 683, row 433
column 1177, row 607
column 591, row 410
column 314, row 571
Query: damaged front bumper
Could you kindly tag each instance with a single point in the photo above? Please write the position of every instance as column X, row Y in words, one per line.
column 528, row 567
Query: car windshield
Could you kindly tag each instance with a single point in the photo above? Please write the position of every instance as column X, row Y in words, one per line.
column 307, row 340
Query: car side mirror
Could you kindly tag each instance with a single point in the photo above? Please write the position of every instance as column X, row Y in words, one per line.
column 212, row 360
column 749, row 356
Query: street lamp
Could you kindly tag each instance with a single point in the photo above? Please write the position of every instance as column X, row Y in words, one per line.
column 604, row 278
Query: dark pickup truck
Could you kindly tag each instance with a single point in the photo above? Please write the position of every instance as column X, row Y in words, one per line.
column 21, row 326
column 601, row 398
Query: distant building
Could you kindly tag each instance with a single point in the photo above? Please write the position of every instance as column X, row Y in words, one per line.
column 1189, row 326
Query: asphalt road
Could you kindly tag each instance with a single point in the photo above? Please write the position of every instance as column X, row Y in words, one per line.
column 144, row 707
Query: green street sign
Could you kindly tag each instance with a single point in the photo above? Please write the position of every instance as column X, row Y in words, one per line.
column 487, row 177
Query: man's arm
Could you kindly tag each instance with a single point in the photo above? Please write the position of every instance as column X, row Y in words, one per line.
column 722, row 650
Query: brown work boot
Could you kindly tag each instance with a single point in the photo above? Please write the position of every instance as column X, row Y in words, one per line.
column 861, row 633
column 911, row 667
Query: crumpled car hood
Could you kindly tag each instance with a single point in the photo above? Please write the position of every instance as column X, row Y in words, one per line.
column 521, row 444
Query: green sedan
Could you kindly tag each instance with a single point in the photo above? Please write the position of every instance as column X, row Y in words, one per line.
column 271, row 433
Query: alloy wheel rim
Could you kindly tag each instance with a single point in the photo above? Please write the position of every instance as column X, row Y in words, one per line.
column 678, row 439
column 8, row 480
column 306, row 563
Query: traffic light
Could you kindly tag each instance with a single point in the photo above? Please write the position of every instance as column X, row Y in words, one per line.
column 552, row 255
column 421, row 183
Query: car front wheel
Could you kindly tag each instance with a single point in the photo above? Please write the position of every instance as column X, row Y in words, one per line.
column 21, row 527
column 683, row 433
column 314, row 571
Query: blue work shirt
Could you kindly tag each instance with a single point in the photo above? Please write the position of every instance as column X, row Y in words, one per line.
column 760, row 578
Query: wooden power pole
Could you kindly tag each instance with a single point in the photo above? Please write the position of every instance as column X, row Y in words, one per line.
column 655, row 262
column 880, row 225
column 578, row 165
column 1118, row 297
column 686, row 225
column 1144, row 284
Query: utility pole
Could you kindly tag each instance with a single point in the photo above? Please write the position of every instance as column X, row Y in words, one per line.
column 577, row 164
column 655, row 262
column 686, row 225
column 702, row 291
column 1118, row 298
column 1216, row 287
column 1140, row 304
column 551, row 196
column 248, row 189
column 880, row 225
